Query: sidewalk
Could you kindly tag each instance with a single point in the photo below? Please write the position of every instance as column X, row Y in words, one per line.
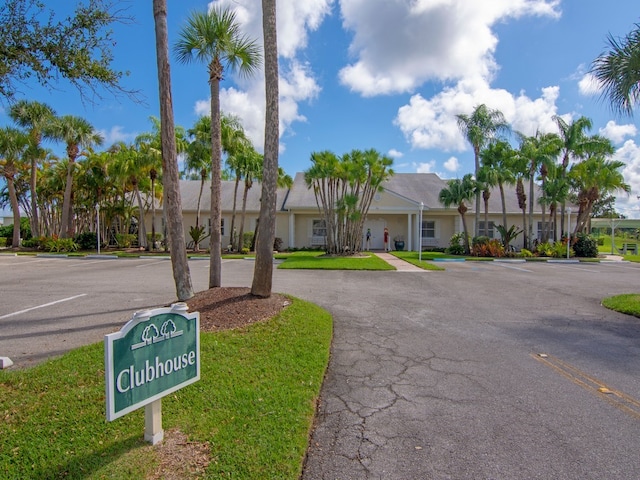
column 401, row 265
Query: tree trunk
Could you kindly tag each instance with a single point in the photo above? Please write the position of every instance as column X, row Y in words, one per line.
column 215, row 241
column 263, row 271
column 504, row 212
column 65, row 229
column 15, row 208
column 35, row 223
column 173, row 203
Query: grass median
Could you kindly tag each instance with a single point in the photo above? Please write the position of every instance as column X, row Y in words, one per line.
column 254, row 407
column 319, row 261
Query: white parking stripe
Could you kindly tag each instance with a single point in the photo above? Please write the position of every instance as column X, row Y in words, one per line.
column 42, row 306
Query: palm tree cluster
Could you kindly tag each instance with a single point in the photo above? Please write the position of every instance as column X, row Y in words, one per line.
column 122, row 182
column 344, row 188
column 569, row 166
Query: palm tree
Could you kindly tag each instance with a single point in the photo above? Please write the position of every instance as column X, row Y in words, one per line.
column 251, row 167
column 618, row 73
column 481, row 128
column 574, row 143
column 173, row 203
column 457, row 192
column 13, row 145
column 541, row 149
column 263, row 271
column 214, row 37
column 500, row 158
column 77, row 133
column 37, row 118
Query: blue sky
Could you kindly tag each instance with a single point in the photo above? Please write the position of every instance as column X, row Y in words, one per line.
column 385, row 74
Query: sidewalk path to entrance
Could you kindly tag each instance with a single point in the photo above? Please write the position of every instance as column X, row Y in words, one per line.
column 401, row 265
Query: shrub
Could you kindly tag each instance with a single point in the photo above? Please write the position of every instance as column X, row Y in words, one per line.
column 480, row 240
column 3, row 242
column 86, row 240
column 277, row 244
column 244, row 250
column 544, row 249
column 585, row 246
column 125, row 240
column 33, row 242
column 559, row 250
column 455, row 244
column 247, row 240
column 525, row 253
column 490, row 248
column 55, row 244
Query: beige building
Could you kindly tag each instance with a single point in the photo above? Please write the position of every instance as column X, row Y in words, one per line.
column 397, row 207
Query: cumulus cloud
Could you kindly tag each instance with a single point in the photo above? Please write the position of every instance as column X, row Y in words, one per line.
column 452, row 164
column 297, row 80
column 443, row 40
column 116, row 134
column 432, row 123
column 426, row 167
column 393, row 153
column 629, row 153
column 617, row 133
column 588, row 85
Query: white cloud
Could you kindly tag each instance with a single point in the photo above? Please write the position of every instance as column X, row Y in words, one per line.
column 115, row 135
column 426, row 167
column 452, row 164
column 432, row 40
column 393, row 153
column 617, row 133
column 297, row 82
column 431, row 123
column 629, row 153
column 588, row 85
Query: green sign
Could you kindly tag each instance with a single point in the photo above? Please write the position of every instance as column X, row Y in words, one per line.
column 156, row 353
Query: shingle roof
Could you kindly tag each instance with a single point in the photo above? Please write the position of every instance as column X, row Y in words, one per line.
column 416, row 188
column 190, row 189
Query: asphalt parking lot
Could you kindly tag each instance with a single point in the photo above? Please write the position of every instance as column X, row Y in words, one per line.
column 483, row 371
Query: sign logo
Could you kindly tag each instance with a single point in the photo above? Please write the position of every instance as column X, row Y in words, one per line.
column 156, row 353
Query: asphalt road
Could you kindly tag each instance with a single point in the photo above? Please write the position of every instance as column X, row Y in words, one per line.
column 484, row 371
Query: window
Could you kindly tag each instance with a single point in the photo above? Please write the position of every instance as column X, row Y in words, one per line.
column 428, row 229
column 318, row 228
column 550, row 230
column 482, row 231
column 221, row 226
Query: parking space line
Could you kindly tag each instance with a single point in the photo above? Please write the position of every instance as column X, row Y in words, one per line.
column 618, row 399
column 42, row 306
column 512, row 267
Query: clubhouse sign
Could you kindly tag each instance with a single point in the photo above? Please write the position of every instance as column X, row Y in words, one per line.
column 156, row 353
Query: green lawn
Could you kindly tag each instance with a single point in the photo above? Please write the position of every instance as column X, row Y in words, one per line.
column 628, row 303
column 427, row 259
column 317, row 261
column 254, row 405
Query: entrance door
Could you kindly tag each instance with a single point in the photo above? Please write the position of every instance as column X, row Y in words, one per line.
column 377, row 234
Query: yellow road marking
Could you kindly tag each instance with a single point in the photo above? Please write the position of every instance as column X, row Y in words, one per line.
column 618, row 399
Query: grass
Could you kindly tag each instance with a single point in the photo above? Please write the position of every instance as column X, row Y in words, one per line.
column 316, row 261
column 628, row 303
column 254, row 404
column 427, row 257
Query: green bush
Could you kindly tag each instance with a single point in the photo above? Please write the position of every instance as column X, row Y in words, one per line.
column 25, row 230
column 247, row 239
column 585, row 246
column 86, row 240
column 545, row 249
column 455, row 244
column 600, row 241
column 32, row 242
column 58, row 245
column 525, row 253
column 3, row 241
column 480, row 240
column 125, row 240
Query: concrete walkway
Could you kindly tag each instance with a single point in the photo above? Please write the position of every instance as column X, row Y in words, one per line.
column 401, row 265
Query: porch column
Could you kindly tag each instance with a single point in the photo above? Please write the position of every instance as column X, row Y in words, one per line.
column 409, row 234
column 292, row 233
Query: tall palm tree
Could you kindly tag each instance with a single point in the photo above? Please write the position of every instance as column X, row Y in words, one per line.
column 173, row 203
column 250, row 163
column 500, row 158
column 618, row 73
column 457, row 192
column 575, row 142
column 77, row 133
column 540, row 149
column 13, row 145
column 214, row 38
column 480, row 128
column 263, row 271
column 36, row 117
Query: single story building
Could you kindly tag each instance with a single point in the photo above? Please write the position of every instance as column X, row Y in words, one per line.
column 397, row 207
